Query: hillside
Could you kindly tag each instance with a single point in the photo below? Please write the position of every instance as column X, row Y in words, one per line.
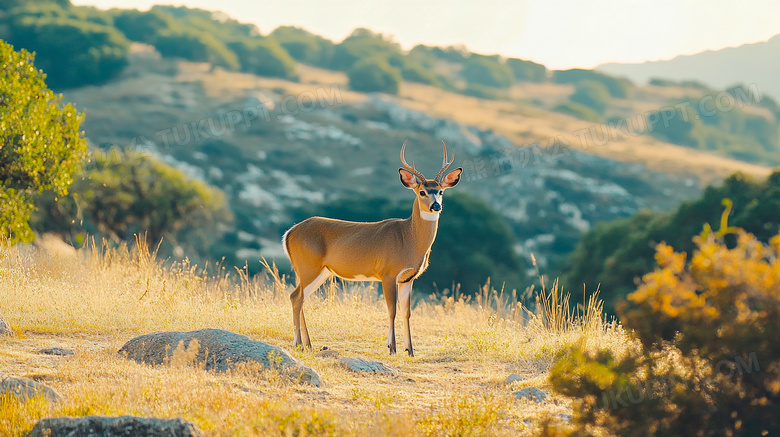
column 757, row 63
column 289, row 124
column 302, row 155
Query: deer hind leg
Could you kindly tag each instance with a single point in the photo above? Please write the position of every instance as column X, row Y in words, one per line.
column 308, row 283
column 389, row 290
column 405, row 299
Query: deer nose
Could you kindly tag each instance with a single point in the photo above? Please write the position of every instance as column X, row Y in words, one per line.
column 436, row 206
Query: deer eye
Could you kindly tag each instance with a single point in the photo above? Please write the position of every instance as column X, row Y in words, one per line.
column 422, row 193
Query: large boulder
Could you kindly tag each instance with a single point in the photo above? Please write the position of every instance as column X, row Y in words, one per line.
column 5, row 329
column 25, row 388
column 359, row 365
column 123, row 426
column 218, row 350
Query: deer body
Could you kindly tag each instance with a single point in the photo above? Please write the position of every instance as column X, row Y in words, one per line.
column 393, row 251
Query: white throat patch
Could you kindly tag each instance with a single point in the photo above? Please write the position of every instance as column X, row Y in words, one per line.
column 430, row 216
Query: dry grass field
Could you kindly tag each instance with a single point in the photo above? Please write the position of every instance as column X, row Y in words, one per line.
column 94, row 300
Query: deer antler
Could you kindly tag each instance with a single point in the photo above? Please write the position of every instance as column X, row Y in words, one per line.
column 444, row 163
column 411, row 168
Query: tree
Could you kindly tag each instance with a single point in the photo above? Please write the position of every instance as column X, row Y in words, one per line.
column 615, row 254
column 40, row 143
column 264, row 57
column 74, row 46
column 485, row 71
column 374, row 75
column 526, row 70
column 706, row 354
column 591, row 94
column 122, row 194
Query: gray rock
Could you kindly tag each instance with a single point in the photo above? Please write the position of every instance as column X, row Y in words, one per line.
column 56, row 351
column 514, row 377
column 219, row 350
column 5, row 329
column 123, row 426
column 531, row 394
column 327, row 353
column 25, row 388
column 360, row 365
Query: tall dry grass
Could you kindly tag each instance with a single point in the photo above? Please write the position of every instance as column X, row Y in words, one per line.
column 95, row 299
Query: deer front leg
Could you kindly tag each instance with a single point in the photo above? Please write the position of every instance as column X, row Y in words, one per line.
column 405, row 298
column 389, row 290
column 296, row 298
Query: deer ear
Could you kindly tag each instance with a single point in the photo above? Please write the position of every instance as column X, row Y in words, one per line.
column 452, row 178
column 407, row 178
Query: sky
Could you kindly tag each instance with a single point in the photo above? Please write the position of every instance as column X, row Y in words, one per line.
column 559, row 34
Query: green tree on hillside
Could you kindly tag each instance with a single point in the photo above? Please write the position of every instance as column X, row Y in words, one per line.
column 617, row 87
column 526, row 70
column 264, row 57
column 480, row 70
column 73, row 46
column 304, row 46
column 615, row 254
column 591, row 94
column 40, row 143
column 374, row 75
column 122, row 194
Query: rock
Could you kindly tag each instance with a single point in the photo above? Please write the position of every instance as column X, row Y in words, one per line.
column 327, row 353
column 219, row 350
column 514, row 377
column 5, row 329
column 564, row 417
column 56, row 351
column 26, row 388
column 360, row 365
column 103, row 426
column 531, row 393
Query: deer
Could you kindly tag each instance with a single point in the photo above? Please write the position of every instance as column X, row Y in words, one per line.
column 394, row 251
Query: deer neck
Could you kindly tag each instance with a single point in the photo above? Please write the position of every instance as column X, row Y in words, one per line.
column 422, row 228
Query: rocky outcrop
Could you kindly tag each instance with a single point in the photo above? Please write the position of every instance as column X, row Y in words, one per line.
column 531, row 394
column 5, row 329
column 25, row 388
column 217, row 350
column 360, row 365
column 123, row 426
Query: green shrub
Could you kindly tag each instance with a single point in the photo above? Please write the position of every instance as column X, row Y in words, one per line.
column 361, row 45
column 484, row 71
column 374, row 75
column 578, row 110
column 264, row 57
column 617, row 87
column 527, row 71
column 304, row 46
column 143, row 26
column 707, row 363
column 591, row 94
column 419, row 74
column 121, row 194
column 71, row 51
column 196, row 47
column 40, row 143
column 615, row 254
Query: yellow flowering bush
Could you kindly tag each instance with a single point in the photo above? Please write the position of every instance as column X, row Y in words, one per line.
column 707, row 358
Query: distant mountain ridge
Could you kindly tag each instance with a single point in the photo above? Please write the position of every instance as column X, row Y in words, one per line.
column 757, row 63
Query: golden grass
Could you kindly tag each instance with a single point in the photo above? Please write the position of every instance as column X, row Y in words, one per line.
column 96, row 299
